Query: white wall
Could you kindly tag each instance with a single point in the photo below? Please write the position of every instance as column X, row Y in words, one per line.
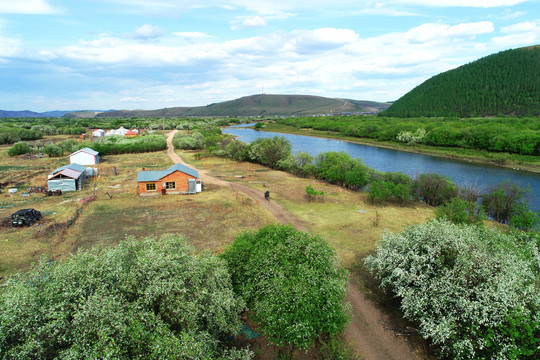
column 82, row 158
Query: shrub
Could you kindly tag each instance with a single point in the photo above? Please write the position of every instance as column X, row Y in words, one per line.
column 260, row 125
column 270, row 151
column 434, row 189
column 187, row 143
column 313, row 194
column 410, row 138
column 460, row 211
column 19, row 148
column 504, row 199
column 52, row 150
column 292, row 282
column 473, row 291
column 302, row 164
column 149, row 298
column 340, row 169
column 383, row 191
column 237, row 150
column 524, row 218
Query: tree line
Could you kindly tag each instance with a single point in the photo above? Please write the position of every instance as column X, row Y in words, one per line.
column 13, row 130
column 110, row 145
column 511, row 135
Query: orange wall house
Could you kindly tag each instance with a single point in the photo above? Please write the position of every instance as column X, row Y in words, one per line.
column 174, row 180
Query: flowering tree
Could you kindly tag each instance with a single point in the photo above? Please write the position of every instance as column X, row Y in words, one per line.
column 143, row 299
column 475, row 292
column 292, row 281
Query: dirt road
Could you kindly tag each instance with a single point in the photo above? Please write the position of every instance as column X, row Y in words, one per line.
column 366, row 331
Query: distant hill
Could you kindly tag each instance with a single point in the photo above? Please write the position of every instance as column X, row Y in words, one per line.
column 262, row 105
column 55, row 113
column 504, row 83
column 17, row 114
column 82, row 114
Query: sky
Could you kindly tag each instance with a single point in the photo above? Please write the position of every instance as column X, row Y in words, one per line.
column 142, row 54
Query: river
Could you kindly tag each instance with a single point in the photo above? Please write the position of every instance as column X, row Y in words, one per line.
column 463, row 173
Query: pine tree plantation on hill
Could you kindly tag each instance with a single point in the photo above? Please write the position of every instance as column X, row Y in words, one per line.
column 503, row 83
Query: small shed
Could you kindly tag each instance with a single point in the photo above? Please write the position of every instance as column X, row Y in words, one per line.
column 67, row 178
column 178, row 179
column 85, row 156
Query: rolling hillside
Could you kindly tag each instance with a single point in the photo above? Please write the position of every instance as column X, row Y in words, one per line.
column 263, row 105
column 506, row 83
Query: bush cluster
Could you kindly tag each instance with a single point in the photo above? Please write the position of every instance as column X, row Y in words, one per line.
column 11, row 136
column 113, row 145
column 291, row 281
column 473, row 291
column 201, row 137
column 154, row 298
column 151, row 298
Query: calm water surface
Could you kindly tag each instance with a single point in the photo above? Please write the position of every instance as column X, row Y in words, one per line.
column 461, row 172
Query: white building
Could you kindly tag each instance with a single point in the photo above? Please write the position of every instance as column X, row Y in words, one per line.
column 85, row 156
column 98, row 133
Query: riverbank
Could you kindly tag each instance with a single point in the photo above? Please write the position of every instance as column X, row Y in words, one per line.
column 506, row 160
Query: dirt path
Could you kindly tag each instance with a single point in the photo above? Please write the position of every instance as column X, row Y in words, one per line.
column 366, row 331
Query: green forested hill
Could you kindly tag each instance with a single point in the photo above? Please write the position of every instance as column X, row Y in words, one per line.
column 506, row 83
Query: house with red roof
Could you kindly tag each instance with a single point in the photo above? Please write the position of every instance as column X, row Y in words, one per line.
column 131, row 133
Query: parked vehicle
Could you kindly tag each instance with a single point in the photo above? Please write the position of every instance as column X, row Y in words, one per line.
column 25, row 217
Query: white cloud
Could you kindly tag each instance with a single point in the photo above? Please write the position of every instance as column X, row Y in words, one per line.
column 26, row 7
column 147, row 32
column 9, row 46
column 192, row 35
column 248, row 22
column 520, row 34
column 461, row 3
column 521, row 27
column 437, row 32
column 254, row 21
column 272, row 8
column 321, row 39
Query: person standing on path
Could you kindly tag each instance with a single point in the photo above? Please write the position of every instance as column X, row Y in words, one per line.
column 267, row 195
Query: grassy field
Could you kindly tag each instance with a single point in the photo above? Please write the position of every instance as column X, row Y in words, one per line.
column 210, row 220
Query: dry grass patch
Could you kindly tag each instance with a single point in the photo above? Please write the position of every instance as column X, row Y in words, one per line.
column 209, row 220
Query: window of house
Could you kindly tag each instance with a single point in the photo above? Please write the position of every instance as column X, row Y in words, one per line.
column 170, row 185
column 151, row 187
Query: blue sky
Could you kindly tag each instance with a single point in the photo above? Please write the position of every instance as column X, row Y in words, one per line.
column 141, row 54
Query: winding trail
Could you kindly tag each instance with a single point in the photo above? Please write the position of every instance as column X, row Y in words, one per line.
column 366, row 331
